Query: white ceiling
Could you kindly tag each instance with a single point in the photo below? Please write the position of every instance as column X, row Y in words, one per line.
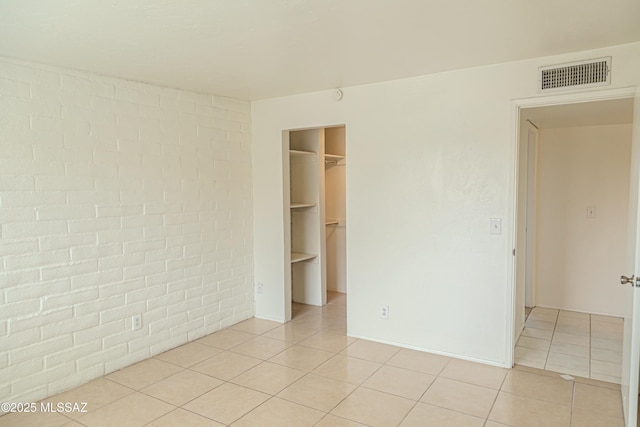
column 598, row 113
column 254, row 49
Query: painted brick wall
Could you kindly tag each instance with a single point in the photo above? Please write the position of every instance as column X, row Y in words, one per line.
column 116, row 198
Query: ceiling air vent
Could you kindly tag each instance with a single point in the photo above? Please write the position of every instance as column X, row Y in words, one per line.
column 575, row 75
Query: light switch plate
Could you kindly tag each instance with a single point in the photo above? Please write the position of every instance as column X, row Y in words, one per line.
column 495, row 226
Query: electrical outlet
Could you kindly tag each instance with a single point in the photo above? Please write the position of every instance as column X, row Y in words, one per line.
column 384, row 311
column 136, row 322
column 259, row 288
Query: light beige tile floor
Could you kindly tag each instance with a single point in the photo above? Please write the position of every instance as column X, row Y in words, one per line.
column 309, row 373
column 588, row 345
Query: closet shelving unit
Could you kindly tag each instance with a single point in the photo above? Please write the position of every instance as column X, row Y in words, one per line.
column 333, row 160
column 310, row 156
column 335, row 207
column 306, row 235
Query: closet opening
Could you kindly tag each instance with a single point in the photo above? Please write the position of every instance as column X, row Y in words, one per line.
column 315, row 219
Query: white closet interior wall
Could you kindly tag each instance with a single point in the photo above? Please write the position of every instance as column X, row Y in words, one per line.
column 335, row 209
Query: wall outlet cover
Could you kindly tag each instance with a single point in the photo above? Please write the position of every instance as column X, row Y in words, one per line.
column 136, row 322
column 384, row 311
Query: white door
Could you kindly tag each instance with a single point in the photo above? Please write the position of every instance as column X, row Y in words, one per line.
column 631, row 346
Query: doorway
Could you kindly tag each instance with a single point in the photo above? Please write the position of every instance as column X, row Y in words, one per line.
column 570, row 243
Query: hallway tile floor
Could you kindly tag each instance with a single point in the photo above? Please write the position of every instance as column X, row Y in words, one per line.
column 568, row 342
column 309, row 373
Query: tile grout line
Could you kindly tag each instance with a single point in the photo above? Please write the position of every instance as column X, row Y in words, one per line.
column 361, row 385
column 335, row 353
column 425, row 392
column 553, row 333
column 273, row 396
column 590, row 351
column 345, row 397
column 589, row 347
column 497, row 395
column 573, row 398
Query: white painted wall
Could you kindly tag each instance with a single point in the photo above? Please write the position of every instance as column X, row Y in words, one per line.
column 431, row 159
column 116, row 198
column 580, row 260
column 336, row 209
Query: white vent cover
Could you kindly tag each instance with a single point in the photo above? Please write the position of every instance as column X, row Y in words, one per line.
column 575, row 75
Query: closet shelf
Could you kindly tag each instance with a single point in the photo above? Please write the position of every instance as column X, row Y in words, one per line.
column 296, row 205
column 301, row 153
column 335, row 157
column 299, row 256
column 332, row 159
